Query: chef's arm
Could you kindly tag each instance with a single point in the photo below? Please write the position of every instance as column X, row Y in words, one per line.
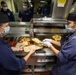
column 31, row 20
column 20, row 19
column 52, row 41
column 17, row 48
column 56, row 42
column 28, row 55
column 14, row 48
column 56, row 51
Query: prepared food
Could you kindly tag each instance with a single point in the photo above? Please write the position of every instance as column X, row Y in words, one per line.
column 22, row 39
column 56, row 37
column 36, row 40
column 28, row 48
column 25, row 43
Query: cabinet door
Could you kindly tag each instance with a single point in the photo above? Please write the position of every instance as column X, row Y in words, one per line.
column 26, row 74
column 43, row 73
column 39, row 73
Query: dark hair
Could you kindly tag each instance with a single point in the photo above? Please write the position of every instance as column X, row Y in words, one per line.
column 72, row 16
column 2, row 2
column 25, row 3
column 48, row 2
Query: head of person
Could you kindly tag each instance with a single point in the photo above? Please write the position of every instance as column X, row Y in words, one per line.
column 25, row 6
column 4, row 26
column 4, row 6
column 49, row 2
column 30, row 4
column 71, row 22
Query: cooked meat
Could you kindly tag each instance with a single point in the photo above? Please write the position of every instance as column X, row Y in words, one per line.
column 36, row 40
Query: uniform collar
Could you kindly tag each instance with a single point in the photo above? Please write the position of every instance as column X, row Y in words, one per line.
column 25, row 10
column 70, row 35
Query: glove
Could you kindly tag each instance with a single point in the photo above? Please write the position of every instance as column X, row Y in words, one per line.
column 47, row 43
column 49, row 40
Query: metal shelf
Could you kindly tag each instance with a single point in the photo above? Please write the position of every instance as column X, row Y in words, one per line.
column 18, row 24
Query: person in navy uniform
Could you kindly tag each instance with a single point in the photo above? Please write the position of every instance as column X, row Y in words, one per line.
column 9, row 63
column 46, row 9
column 39, row 9
column 5, row 10
column 25, row 15
column 66, row 56
column 31, row 7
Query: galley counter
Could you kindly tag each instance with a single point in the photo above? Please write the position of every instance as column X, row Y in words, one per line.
column 42, row 60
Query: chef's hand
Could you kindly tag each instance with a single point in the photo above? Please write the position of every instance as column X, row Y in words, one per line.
column 32, row 51
column 21, row 48
column 17, row 48
column 49, row 40
column 47, row 43
column 29, row 54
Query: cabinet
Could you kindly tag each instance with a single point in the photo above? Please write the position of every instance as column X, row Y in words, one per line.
column 38, row 73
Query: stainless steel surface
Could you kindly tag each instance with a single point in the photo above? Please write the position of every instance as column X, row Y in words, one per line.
column 61, row 12
column 48, row 52
column 20, row 28
column 42, row 69
column 39, row 68
column 51, row 30
column 68, row 8
column 49, row 20
column 48, row 27
column 50, row 24
column 45, row 60
column 26, row 24
column 17, row 30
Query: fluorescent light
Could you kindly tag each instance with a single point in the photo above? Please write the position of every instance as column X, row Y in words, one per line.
column 43, row 1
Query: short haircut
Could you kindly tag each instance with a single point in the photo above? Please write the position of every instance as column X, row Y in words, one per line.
column 25, row 3
column 2, row 2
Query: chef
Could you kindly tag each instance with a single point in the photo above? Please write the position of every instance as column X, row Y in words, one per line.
column 25, row 15
column 66, row 56
column 9, row 63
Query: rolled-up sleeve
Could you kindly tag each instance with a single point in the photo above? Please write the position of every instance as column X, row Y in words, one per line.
column 62, row 57
column 68, row 51
column 8, row 59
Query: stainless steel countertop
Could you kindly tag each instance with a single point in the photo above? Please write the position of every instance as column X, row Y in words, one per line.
column 48, row 52
column 49, row 20
column 17, row 24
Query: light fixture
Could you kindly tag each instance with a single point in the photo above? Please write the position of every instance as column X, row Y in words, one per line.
column 43, row 1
